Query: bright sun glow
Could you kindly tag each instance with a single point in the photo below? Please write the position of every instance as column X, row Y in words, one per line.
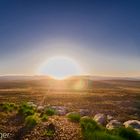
column 60, row 67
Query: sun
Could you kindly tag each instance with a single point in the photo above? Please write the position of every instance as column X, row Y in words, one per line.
column 60, row 67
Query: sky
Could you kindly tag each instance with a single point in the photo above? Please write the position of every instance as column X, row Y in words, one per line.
column 103, row 36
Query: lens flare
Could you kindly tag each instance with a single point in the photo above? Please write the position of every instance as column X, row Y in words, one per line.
column 60, row 67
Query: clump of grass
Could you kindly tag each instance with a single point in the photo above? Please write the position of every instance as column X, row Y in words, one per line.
column 89, row 125
column 128, row 133
column 26, row 110
column 93, row 131
column 100, row 135
column 74, row 117
column 49, row 133
column 31, row 121
column 8, row 107
column 44, row 117
column 50, row 111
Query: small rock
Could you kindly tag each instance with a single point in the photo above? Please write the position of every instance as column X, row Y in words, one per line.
column 100, row 118
column 84, row 112
column 109, row 117
column 40, row 108
column 61, row 110
column 135, row 124
column 32, row 104
column 113, row 124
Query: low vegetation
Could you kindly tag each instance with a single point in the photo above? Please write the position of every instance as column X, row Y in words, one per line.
column 50, row 130
column 88, row 124
column 49, row 133
column 26, row 110
column 93, row 131
column 127, row 133
column 31, row 121
column 97, row 135
column 44, row 117
column 50, row 111
column 74, row 117
column 8, row 107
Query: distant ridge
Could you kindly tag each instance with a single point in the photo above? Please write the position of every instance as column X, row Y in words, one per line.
column 22, row 77
column 83, row 77
column 90, row 77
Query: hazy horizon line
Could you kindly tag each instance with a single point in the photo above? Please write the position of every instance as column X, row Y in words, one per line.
column 71, row 75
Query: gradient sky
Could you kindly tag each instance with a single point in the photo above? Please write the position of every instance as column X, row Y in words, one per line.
column 103, row 36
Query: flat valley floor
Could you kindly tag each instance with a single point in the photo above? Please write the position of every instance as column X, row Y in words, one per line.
column 120, row 98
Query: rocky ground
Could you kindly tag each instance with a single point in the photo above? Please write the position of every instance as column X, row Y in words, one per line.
column 63, row 129
column 60, row 125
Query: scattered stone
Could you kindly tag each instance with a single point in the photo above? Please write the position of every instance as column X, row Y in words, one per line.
column 109, row 117
column 113, row 124
column 40, row 108
column 100, row 118
column 84, row 112
column 32, row 104
column 61, row 110
column 135, row 124
column 64, row 129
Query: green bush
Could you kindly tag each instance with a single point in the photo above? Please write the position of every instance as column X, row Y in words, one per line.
column 26, row 110
column 50, row 111
column 8, row 107
column 93, row 131
column 74, row 117
column 100, row 135
column 88, row 124
column 128, row 133
column 31, row 121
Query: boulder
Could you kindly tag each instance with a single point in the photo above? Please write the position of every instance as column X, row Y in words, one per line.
column 135, row 124
column 100, row 118
column 113, row 124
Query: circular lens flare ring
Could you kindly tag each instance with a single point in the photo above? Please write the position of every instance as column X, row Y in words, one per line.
column 60, row 67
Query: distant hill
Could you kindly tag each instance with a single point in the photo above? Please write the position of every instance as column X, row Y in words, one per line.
column 89, row 77
column 78, row 77
column 81, row 82
column 22, row 77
